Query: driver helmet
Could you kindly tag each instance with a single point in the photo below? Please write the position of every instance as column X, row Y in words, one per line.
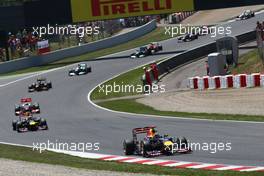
column 151, row 133
column 27, row 114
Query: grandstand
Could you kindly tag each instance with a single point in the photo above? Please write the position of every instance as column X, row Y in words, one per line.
column 13, row 2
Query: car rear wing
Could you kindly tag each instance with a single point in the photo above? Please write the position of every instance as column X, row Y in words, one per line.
column 26, row 100
column 41, row 79
column 143, row 130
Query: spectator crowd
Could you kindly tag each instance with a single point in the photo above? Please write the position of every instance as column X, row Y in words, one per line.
column 135, row 21
column 20, row 44
column 24, row 42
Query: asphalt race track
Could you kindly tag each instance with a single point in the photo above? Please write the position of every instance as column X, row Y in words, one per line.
column 72, row 118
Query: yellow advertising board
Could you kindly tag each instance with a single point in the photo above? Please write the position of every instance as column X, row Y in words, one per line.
column 89, row 10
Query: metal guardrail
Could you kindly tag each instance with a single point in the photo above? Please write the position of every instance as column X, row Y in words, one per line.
column 198, row 52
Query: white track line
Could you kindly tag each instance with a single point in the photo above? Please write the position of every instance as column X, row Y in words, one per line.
column 201, row 166
column 134, row 160
column 34, row 75
column 228, row 168
column 155, row 162
column 252, row 169
column 157, row 116
column 116, row 158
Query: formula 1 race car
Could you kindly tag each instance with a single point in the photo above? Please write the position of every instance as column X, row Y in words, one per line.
column 81, row 69
column 246, row 15
column 154, row 47
column 40, row 85
column 27, row 106
column 142, row 52
column 188, row 37
column 154, row 145
column 27, row 122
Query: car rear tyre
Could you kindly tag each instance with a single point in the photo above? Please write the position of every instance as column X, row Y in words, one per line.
column 43, row 124
column 50, row 85
column 129, row 147
column 89, row 70
column 144, row 149
column 18, row 126
column 14, row 125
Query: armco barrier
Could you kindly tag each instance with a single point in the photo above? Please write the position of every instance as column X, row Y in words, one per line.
column 75, row 51
column 185, row 57
column 198, row 52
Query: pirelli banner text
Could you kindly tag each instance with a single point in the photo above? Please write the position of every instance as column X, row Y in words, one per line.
column 43, row 12
column 87, row 10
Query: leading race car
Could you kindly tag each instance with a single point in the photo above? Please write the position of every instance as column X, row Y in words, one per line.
column 26, row 106
column 154, row 144
column 188, row 37
column 81, row 69
column 154, row 47
column 246, row 15
column 142, row 52
column 27, row 122
column 40, row 85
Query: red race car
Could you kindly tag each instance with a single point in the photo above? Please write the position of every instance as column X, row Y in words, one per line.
column 26, row 105
column 154, row 47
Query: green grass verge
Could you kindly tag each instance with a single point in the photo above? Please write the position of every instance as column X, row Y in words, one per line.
column 249, row 63
column 131, row 106
column 132, row 78
column 26, row 154
column 156, row 35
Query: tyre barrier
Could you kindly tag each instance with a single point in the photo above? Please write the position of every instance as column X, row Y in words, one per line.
column 183, row 15
column 180, row 16
column 227, row 81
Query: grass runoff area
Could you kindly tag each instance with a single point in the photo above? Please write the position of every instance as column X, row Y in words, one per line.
column 26, row 154
column 249, row 63
column 132, row 78
column 130, row 105
column 156, row 35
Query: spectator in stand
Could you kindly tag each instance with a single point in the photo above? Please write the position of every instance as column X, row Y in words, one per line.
column 32, row 42
column 2, row 54
column 136, row 21
column 21, row 42
column 12, row 45
column 24, row 41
